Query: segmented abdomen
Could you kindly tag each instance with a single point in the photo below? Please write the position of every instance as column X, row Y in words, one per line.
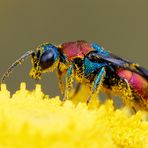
column 136, row 81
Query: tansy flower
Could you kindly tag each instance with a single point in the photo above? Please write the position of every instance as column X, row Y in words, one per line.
column 32, row 119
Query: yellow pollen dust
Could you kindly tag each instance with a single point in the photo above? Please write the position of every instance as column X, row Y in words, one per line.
column 32, row 119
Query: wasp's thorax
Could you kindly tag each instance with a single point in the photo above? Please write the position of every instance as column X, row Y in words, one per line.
column 46, row 58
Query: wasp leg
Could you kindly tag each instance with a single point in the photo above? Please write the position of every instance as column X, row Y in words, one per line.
column 96, row 83
column 76, row 90
column 69, row 82
column 60, row 81
column 129, row 99
column 128, row 89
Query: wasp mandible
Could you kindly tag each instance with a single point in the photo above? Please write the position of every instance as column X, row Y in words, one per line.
column 90, row 64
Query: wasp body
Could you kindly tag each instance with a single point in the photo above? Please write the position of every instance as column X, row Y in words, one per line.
column 90, row 64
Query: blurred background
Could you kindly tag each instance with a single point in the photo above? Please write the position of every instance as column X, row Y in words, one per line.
column 118, row 25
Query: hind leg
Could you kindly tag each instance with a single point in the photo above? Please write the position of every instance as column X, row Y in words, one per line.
column 130, row 98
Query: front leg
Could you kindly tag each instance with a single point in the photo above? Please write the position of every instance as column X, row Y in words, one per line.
column 69, row 82
column 60, row 81
column 96, row 84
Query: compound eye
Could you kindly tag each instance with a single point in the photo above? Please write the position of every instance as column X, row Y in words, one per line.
column 47, row 59
column 93, row 56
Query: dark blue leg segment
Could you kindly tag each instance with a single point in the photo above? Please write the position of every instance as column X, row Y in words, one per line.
column 97, row 83
column 98, row 78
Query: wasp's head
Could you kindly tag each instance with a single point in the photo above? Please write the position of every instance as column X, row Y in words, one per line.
column 44, row 59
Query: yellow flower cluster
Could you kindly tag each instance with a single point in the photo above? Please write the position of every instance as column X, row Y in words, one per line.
column 31, row 119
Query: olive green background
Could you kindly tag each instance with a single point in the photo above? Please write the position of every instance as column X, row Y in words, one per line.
column 118, row 25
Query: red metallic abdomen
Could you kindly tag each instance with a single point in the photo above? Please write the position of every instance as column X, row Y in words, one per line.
column 137, row 82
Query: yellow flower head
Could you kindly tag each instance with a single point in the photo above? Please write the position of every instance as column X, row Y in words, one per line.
column 32, row 119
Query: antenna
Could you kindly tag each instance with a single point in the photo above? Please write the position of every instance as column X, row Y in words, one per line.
column 18, row 61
